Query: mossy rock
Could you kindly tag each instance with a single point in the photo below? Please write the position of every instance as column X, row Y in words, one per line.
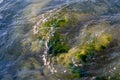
column 55, row 26
column 85, row 52
column 66, row 58
column 95, row 38
column 60, row 20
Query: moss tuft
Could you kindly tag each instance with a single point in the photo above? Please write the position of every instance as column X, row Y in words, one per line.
column 102, row 41
column 56, row 21
column 57, row 45
column 86, row 53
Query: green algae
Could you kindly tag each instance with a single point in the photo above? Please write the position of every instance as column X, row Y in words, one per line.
column 103, row 41
column 85, row 52
column 58, row 24
column 60, row 21
column 58, row 44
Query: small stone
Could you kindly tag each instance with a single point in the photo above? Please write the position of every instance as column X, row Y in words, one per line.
column 109, row 71
column 55, row 71
column 65, row 71
column 114, row 68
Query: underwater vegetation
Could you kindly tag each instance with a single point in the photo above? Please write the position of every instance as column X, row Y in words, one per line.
column 92, row 40
column 77, row 35
column 60, row 40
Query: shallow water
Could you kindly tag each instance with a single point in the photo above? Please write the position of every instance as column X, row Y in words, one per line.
column 19, row 62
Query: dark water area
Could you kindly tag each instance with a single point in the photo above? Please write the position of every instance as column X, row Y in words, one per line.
column 21, row 51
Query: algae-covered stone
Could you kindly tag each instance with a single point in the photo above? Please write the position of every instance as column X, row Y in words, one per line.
column 84, row 52
column 73, row 38
column 87, row 50
column 57, row 26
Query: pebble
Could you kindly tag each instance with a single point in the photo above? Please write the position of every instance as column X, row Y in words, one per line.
column 114, row 68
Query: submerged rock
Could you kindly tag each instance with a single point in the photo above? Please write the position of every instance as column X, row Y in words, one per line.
column 78, row 35
column 79, row 40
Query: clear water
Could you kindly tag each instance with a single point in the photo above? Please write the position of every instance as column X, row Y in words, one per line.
column 18, row 62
